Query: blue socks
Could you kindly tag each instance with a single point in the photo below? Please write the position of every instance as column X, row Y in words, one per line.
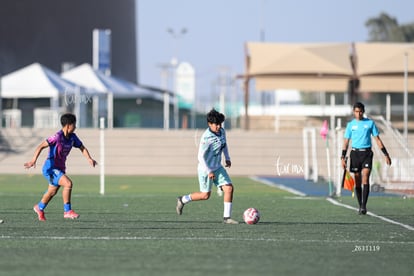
column 41, row 205
column 67, row 207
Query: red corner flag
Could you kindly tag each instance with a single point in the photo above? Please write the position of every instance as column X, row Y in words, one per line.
column 349, row 182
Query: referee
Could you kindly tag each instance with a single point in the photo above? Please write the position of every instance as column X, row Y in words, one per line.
column 360, row 130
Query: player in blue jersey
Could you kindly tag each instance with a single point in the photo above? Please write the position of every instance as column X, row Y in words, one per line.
column 213, row 145
column 360, row 130
column 54, row 168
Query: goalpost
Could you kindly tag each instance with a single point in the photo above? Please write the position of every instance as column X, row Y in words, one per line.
column 310, row 133
column 102, row 155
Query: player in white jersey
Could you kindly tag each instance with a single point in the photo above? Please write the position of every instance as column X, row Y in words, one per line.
column 213, row 145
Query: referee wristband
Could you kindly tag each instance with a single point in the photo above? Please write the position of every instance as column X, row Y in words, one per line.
column 343, row 154
column 384, row 151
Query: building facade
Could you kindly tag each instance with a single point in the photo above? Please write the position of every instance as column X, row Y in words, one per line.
column 55, row 33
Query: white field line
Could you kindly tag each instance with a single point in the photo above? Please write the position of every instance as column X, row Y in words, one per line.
column 280, row 186
column 335, row 202
column 129, row 238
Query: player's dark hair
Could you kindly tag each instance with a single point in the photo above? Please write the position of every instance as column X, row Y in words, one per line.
column 215, row 117
column 360, row 106
column 67, row 119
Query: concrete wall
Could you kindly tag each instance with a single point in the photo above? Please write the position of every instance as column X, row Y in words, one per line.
column 169, row 153
column 159, row 152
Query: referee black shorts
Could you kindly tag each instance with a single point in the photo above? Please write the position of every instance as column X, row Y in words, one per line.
column 360, row 160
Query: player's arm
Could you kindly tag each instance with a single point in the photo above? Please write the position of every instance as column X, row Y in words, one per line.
column 383, row 149
column 227, row 156
column 39, row 148
column 85, row 153
column 226, row 152
column 344, row 150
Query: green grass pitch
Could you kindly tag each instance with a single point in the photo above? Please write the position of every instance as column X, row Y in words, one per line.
column 133, row 230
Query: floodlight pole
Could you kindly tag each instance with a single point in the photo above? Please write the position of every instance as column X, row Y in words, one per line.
column 174, row 64
column 223, row 83
column 166, row 96
column 246, row 80
column 165, row 76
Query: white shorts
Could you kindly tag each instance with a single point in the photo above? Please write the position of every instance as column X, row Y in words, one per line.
column 221, row 178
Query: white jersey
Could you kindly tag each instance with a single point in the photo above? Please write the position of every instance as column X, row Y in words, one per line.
column 212, row 146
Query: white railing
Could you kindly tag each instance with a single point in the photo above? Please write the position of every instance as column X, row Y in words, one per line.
column 401, row 172
column 12, row 118
column 46, row 118
column 299, row 110
column 398, row 176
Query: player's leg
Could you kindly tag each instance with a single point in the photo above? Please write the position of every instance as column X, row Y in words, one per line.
column 204, row 193
column 44, row 201
column 225, row 183
column 228, row 190
column 52, row 176
column 358, row 188
column 365, row 174
column 196, row 196
column 355, row 167
column 365, row 189
column 66, row 183
column 48, row 195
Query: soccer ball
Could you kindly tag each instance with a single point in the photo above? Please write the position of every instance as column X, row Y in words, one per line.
column 251, row 216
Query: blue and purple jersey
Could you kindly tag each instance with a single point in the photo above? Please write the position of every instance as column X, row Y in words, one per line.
column 59, row 149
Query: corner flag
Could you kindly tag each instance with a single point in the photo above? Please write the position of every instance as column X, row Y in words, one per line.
column 348, row 182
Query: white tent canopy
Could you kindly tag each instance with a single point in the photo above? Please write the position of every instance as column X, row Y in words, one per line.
column 84, row 75
column 77, row 86
column 108, row 87
column 36, row 81
column 33, row 82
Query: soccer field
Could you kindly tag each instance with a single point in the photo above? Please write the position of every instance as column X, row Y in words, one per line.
column 133, row 230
